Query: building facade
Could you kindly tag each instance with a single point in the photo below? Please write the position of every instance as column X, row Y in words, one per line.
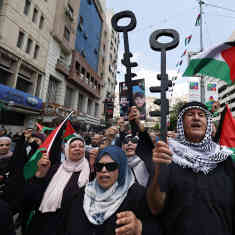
column 87, row 62
column 108, row 58
column 59, row 94
column 227, row 96
column 54, row 60
column 24, row 43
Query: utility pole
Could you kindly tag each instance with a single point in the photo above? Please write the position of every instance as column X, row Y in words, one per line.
column 201, row 50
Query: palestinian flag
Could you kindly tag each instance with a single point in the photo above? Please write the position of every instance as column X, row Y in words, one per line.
column 225, row 134
column 50, row 145
column 218, row 62
column 69, row 131
column 187, row 40
column 42, row 128
column 198, row 20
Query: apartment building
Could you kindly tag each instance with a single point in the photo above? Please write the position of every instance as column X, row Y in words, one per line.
column 85, row 68
column 25, row 28
column 52, row 60
column 227, row 96
column 60, row 94
column 109, row 57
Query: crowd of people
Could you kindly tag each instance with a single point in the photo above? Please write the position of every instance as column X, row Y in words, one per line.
column 119, row 183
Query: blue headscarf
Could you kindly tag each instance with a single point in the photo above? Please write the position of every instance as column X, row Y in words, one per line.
column 100, row 204
column 117, row 154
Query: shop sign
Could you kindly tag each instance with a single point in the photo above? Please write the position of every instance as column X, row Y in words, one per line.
column 18, row 97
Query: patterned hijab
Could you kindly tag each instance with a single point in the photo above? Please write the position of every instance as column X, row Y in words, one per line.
column 100, row 204
column 203, row 156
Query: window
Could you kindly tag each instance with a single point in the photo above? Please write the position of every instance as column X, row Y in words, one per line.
column 35, row 15
column 85, row 36
column 36, row 52
column 80, row 24
column 70, row 11
column 83, row 71
column 81, row 20
column 41, row 22
column 77, row 66
column 27, row 7
column 52, row 90
column 89, row 107
column 1, row 4
column 68, row 97
column 66, row 33
column 38, row 86
column 83, row 54
column 20, row 40
column 96, row 109
column 29, row 46
column 24, row 84
column 80, row 103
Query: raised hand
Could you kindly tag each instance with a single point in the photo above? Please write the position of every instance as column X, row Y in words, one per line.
column 44, row 165
column 162, row 153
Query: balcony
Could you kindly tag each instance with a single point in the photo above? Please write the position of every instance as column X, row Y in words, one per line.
column 83, row 82
column 62, row 67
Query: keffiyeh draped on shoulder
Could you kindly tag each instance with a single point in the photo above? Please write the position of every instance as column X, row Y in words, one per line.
column 203, row 156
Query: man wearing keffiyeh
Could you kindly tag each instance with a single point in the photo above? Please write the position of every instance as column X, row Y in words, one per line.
column 193, row 190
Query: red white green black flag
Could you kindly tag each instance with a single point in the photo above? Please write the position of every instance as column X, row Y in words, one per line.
column 30, row 167
column 218, row 62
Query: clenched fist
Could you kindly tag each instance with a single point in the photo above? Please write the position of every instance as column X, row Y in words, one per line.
column 162, row 153
column 44, row 165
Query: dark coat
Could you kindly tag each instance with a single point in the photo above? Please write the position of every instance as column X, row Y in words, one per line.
column 6, row 219
column 47, row 223
column 197, row 203
column 144, row 150
column 14, row 183
column 76, row 222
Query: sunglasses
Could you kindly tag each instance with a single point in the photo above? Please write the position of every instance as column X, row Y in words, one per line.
column 111, row 166
column 133, row 140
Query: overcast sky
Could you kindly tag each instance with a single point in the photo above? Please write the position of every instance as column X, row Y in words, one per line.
column 218, row 25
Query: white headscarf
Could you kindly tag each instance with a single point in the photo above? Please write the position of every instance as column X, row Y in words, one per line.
column 10, row 153
column 139, row 169
column 52, row 197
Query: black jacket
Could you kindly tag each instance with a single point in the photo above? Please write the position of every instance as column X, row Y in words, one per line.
column 47, row 223
column 76, row 222
column 6, row 221
column 197, row 203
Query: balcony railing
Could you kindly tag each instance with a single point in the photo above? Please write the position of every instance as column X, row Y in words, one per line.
column 62, row 67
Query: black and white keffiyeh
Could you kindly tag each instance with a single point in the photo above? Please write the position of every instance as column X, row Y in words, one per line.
column 203, row 156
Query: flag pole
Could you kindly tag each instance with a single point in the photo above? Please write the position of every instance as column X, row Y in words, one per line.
column 203, row 100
